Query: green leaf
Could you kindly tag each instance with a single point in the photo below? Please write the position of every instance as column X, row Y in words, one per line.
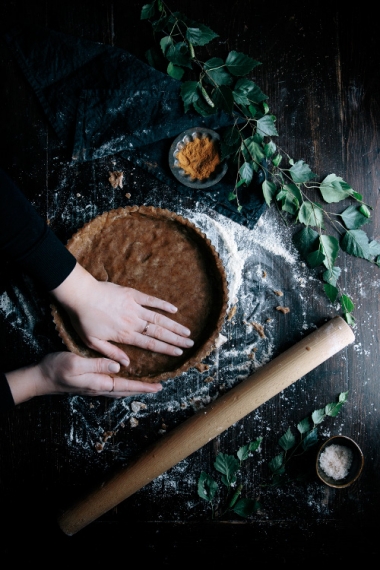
column 343, row 396
column 235, row 497
column 147, row 11
column 349, row 318
column 247, row 92
column 277, row 159
column 189, row 93
column 304, row 426
column 254, row 445
column 334, row 189
column 160, row 24
column 294, row 191
column 252, row 150
column 305, row 241
column 175, row 71
column 331, row 291
column 231, row 196
column 287, row 441
column 243, row 452
column 203, row 108
column 276, row 464
column 207, row 487
column 300, row 172
column 315, row 258
column 311, row 214
column 347, row 304
column 310, row 439
column 355, row 242
column 353, row 218
column 330, row 249
column 223, row 99
column 239, row 63
column 165, row 43
column 228, row 465
column 365, row 211
column 332, row 275
column 265, row 126
column 217, row 72
column 246, row 507
column 246, row 172
column 269, row 191
column 374, row 248
column 269, row 149
column 201, row 35
column 318, row 416
column 178, row 53
column 333, row 409
column 231, row 136
column 291, row 198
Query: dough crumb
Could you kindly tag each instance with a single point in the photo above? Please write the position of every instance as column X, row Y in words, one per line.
column 133, row 422
column 116, row 179
column 137, row 406
column 232, row 312
column 278, row 293
column 202, row 367
column 283, row 310
column 209, row 379
column 259, row 328
column 128, row 195
column 264, row 274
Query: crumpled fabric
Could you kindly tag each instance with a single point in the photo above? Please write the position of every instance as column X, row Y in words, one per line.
column 102, row 100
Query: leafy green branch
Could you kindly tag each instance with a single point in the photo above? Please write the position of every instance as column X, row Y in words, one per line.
column 229, row 466
column 307, row 438
column 223, row 85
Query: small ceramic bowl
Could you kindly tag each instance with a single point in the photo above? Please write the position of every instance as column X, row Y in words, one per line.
column 179, row 143
column 354, row 470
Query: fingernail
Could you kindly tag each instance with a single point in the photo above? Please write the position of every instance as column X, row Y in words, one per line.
column 189, row 342
column 186, row 332
column 178, row 351
column 125, row 362
column 113, row 367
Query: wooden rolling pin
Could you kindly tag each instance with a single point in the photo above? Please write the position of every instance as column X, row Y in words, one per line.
column 209, row 422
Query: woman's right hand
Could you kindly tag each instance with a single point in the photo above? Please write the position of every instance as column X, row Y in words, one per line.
column 65, row 372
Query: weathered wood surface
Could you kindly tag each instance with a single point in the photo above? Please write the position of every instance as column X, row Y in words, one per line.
column 320, row 71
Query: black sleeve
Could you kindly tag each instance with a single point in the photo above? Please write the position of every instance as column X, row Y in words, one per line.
column 27, row 241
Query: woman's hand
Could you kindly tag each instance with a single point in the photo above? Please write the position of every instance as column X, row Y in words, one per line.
column 64, row 372
column 101, row 312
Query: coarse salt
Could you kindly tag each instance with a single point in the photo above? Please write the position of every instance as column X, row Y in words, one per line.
column 336, row 461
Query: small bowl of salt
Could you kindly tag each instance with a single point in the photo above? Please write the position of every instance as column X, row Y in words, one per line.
column 340, row 461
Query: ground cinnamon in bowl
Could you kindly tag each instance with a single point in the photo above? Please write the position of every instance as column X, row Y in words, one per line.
column 199, row 158
column 195, row 159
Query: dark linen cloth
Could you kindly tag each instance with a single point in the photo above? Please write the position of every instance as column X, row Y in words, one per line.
column 102, row 100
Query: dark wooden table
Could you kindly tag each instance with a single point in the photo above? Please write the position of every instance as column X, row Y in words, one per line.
column 320, row 70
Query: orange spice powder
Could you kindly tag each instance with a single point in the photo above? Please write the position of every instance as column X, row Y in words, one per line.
column 199, row 158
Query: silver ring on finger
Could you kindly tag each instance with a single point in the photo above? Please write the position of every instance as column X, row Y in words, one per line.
column 145, row 331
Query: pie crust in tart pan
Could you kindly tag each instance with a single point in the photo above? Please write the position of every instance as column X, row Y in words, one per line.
column 162, row 254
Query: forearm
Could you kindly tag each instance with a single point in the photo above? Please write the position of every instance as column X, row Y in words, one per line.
column 72, row 292
column 26, row 383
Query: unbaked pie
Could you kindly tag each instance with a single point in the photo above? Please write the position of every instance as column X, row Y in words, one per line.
column 159, row 253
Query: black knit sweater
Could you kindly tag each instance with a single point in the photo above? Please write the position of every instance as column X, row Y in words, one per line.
column 26, row 241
